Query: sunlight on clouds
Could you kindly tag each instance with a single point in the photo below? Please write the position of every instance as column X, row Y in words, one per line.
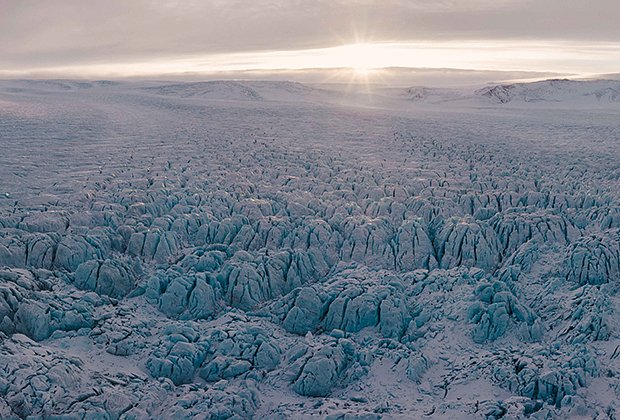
column 365, row 58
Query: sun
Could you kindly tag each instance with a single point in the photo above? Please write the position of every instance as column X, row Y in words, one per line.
column 362, row 71
column 362, row 58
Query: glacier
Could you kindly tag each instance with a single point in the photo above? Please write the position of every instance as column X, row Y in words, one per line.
column 247, row 249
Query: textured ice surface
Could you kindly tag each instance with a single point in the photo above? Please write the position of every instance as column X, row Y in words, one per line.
column 266, row 249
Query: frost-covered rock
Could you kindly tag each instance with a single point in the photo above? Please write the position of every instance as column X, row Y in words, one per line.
column 155, row 244
column 218, row 402
column 184, row 295
column 12, row 251
column 73, row 250
column 122, row 334
column 34, row 319
column 548, row 379
column 516, row 228
column 359, row 298
column 36, row 380
column 414, row 249
column 465, row 242
column 240, row 350
column 368, row 241
column 297, row 258
column 113, row 278
column 305, row 313
column 49, row 221
column 204, row 260
column 248, row 281
column 178, row 356
column 595, row 259
column 19, row 249
column 350, row 302
column 318, row 370
column 28, row 306
column 496, row 311
column 588, row 317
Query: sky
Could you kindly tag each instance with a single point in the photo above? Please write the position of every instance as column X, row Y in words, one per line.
column 167, row 37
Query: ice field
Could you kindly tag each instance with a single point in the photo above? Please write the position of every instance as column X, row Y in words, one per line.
column 277, row 250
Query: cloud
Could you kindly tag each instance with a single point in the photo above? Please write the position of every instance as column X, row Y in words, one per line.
column 35, row 34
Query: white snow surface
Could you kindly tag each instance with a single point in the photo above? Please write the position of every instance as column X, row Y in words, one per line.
column 235, row 249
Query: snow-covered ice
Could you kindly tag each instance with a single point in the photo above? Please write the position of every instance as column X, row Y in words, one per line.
column 233, row 249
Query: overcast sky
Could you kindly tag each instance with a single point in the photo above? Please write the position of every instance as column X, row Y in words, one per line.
column 174, row 35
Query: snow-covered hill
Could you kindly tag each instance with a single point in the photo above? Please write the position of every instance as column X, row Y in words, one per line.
column 227, row 90
column 235, row 90
column 271, row 250
column 557, row 90
column 17, row 86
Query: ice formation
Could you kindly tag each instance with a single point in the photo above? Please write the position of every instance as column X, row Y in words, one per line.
column 266, row 249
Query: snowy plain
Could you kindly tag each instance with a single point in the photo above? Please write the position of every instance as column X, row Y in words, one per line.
column 270, row 249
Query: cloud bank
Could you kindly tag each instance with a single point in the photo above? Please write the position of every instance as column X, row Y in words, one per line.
column 72, row 33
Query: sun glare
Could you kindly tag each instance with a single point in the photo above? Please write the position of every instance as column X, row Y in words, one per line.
column 361, row 71
column 362, row 58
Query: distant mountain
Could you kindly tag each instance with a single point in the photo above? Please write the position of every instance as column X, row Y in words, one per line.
column 233, row 90
column 55, row 85
column 214, row 89
column 553, row 90
column 550, row 92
